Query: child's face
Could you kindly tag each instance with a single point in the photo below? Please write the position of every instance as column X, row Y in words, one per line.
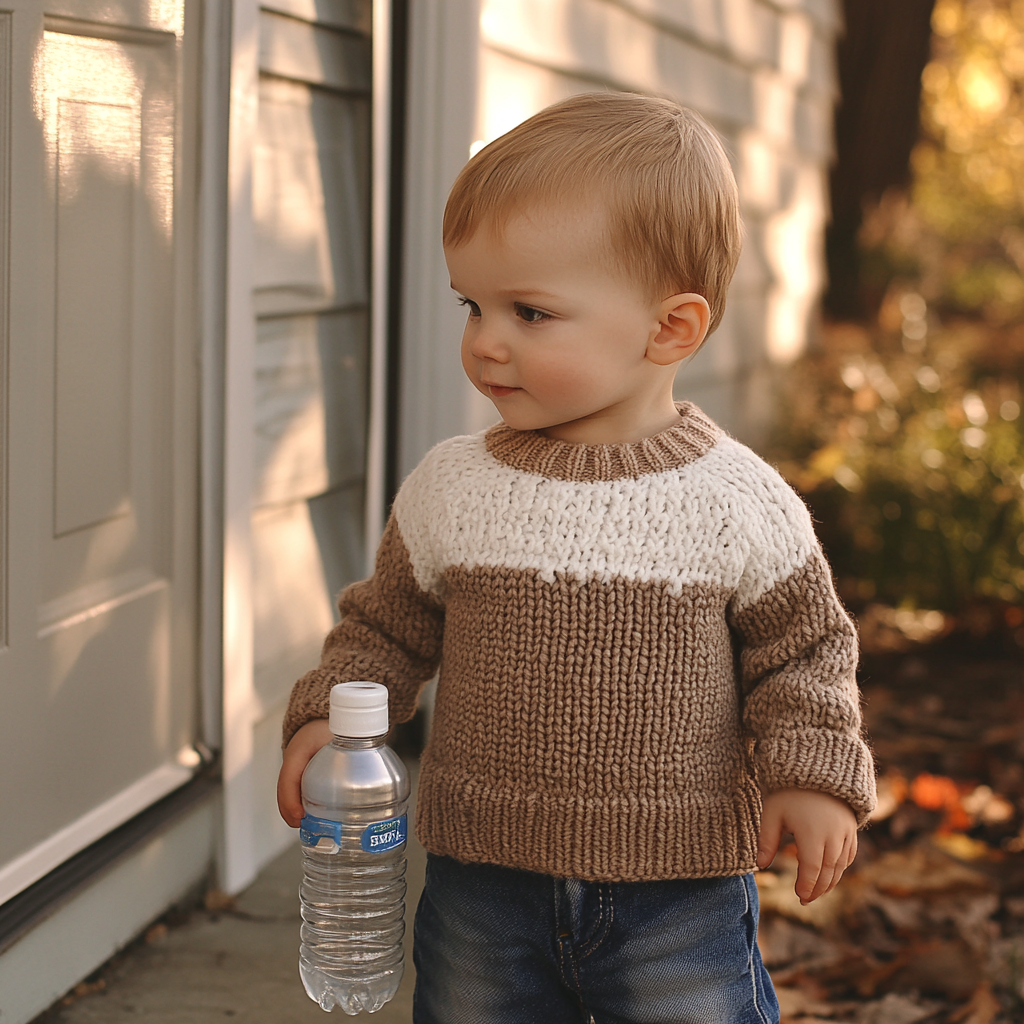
column 555, row 337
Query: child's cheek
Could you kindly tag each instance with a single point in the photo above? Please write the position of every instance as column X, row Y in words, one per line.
column 470, row 365
column 562, row 379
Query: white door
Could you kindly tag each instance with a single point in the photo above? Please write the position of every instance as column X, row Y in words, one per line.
column 97, row 670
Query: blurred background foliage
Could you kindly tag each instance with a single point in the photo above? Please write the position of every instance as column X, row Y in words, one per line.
column 903, row 427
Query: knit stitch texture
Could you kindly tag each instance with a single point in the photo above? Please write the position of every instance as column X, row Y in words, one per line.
column 633, row 641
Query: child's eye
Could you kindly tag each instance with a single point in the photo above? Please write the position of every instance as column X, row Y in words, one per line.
column 531, row 315
column 474, row 309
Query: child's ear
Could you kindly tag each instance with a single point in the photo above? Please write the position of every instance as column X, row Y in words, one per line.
column 682, row 325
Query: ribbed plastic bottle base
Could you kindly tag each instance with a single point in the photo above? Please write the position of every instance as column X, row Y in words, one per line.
column 350, row 996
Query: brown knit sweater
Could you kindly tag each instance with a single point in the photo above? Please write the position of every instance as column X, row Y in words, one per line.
column 631, row 638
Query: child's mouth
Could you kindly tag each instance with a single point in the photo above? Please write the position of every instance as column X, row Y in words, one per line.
column 496, row 391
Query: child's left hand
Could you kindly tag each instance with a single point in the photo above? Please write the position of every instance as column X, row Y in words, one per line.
column 825, row 831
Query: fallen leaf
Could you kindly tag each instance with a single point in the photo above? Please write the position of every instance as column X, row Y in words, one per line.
column 811, row 1020
column 971, row 915
column 894, row 1009
column 982, row 1008
column 905, row 913
column 1006, row 960
column 782, row 942
column 921, row 869
column 963, row 847
column 215, row 900
column 83, row 989
column 941, row 793
column 1004, row 733
column 1014, row 906
column 798, row 1004
column 943, row 968
column 983, row 804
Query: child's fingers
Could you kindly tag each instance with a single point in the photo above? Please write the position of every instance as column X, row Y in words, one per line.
column 303, row 745
column 833, row 865
column 809, row 871
column 769, row 837
column 835, row 861
column 845, row 860
column 289, row 793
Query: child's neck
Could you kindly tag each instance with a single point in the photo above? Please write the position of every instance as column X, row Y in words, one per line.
column 621, row 424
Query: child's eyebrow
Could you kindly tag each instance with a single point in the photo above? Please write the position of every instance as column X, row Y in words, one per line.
column 536, row 293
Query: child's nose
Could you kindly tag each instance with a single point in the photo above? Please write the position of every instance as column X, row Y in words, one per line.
column 486, row 345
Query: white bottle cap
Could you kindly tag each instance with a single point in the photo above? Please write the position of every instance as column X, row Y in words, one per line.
column 359, row 709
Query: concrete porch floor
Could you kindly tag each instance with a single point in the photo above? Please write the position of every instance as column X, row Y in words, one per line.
column 207, row 966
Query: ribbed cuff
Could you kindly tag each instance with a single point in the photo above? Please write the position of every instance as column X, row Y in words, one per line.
column 310, row 699
column 834, row 763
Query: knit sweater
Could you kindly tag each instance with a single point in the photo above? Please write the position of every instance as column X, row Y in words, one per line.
column 634, row 640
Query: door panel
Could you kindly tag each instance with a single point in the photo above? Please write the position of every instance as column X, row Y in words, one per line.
column 109, row 133
column 96, row 147
column 98, row 703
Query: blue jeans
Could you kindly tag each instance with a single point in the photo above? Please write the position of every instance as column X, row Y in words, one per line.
column 495, row 945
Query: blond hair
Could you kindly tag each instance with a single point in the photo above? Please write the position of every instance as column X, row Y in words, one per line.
column 672, row 204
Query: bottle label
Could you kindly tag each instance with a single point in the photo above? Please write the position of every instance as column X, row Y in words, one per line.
column 382, row 836
column 320, row 834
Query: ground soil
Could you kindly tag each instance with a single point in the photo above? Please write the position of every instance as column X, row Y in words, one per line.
column 928, row 925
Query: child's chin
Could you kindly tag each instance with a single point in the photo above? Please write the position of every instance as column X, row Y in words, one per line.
column 522, row 422
column 514, row 417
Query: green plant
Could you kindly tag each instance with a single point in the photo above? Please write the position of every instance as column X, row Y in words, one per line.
column 912, row 461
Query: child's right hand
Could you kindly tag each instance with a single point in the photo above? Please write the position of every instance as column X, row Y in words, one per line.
column 299, row 752
column 824, row 829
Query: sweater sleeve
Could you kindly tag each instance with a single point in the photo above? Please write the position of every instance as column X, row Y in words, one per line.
column 390, row 632
column 798, row 661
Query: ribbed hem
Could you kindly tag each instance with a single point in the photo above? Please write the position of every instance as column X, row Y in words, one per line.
column 531, row 452
column 620, row 839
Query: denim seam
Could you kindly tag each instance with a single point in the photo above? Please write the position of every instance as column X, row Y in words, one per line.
column 595, row 944
column 565, row 947
column 565, row 951
column 600, row 918
column 748, row 880
column 591, row 940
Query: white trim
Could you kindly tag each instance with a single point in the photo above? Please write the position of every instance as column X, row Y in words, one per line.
column 102, row 918
column 239, row 865
column 21, row 872
column 379, row 232
column 437, row 399
column 211, row 244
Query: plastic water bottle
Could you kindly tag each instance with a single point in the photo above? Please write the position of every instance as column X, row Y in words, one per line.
column 355, row 793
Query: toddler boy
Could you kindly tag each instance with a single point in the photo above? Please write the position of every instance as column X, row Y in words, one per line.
column 638, row 637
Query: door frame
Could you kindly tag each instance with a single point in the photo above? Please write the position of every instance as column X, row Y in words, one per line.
column 238, row 704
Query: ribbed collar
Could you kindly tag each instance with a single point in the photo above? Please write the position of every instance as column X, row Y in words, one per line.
column 532, row 452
